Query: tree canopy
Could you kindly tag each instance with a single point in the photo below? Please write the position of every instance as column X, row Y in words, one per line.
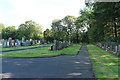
column 97, row 22
column 28, row 30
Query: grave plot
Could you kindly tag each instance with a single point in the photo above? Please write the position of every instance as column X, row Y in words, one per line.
column 24, row 47
column 111, row 47
column 43, row 52
column 105, row 65
column 18, row 43
column 58, row 45
column 8, row 45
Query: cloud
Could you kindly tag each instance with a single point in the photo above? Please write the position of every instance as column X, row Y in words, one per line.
column 40, row 11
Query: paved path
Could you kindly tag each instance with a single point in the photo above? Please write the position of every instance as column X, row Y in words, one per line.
column 78, row 66
column 22, row 49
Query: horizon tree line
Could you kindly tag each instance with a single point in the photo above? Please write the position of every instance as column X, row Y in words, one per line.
column 97, row 22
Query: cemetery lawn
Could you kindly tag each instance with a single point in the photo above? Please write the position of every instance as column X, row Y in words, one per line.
column 43, row 52
column 105, row 65
column 24, row 47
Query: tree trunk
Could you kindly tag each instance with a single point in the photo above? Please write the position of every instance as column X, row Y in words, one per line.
column 77, row 37
column 115, row 28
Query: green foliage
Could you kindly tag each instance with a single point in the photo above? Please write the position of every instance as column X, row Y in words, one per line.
column 30, row 30
column 82, row 23
column 106, row 17
column 101, row 20
column 57, row 29
column 69, row 25
column 48, row 35
column 97, row 22
column 9, row 32
column 2, row 26
column 64, row 29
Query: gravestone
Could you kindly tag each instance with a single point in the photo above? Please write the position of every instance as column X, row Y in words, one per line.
column 13, row 43
column 119, row 48
column 60, row 45
column 35, row 42
column 48, row 42
column 25, row 43
column 100, row 45
column 53, row 48
column 28, row 43
column 39, row 42
column 55, row 44
column 111, row 48
column 116, row 48
column 22, row 42
column 3, row 43
column 31, row 42
column 69, row 43
column 23, row 39
column 106, row 47
column 45, row 43
column 64, row 44
column 7, row 43
column 10, row 42
column 17, row 43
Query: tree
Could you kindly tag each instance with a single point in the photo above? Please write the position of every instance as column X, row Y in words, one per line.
column 107, row 14
column 1, row 28
column 64, row 29
column 77, row 30
column 57, row 29
column 83, row 23
column 69, row 24
column 103, row 21
column 30, row 30
column 8, row 32
column 48, row 36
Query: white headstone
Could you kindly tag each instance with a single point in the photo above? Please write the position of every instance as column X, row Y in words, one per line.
column 23, row 39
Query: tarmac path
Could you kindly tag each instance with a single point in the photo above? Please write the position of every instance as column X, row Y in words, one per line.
column 22, row 49
column 78, row 66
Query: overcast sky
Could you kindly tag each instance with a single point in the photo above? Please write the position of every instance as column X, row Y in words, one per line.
column 16, row 12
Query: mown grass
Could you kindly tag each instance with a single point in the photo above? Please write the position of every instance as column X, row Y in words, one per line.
column 43, row 52
column 105, row 65
column 23, row 47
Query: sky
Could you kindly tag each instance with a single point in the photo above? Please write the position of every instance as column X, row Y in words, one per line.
column 43, row 12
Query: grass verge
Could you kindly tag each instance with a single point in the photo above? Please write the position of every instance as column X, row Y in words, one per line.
column 23, row 47
column 105, row 65
column 43, row 52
